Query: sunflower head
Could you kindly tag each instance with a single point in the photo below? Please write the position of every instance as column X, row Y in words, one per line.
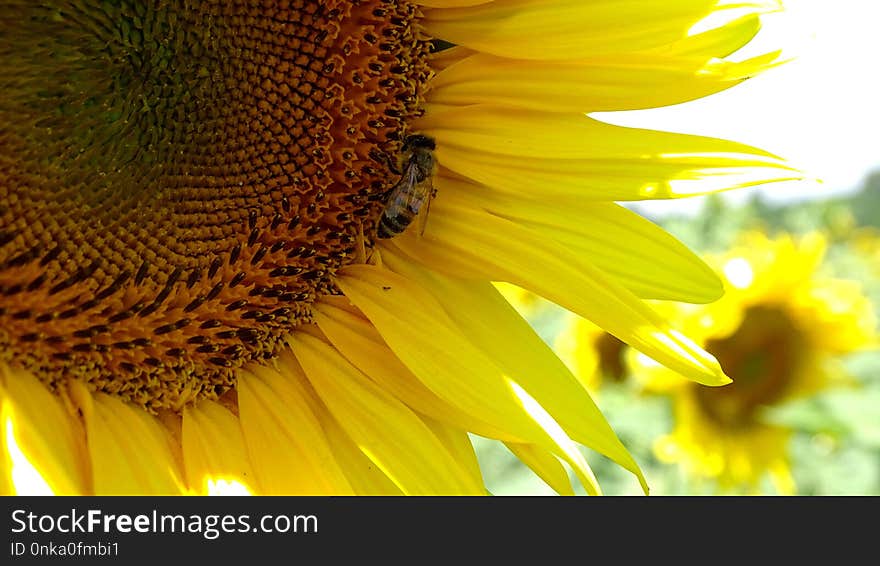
column 193, row 287
column 181, row 184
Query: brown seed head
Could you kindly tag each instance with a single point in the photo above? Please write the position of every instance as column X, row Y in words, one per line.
column 179, row 181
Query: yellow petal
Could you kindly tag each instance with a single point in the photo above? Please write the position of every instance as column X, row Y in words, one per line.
column 386, row 431
column 458, row 443
column 473, row 244
column 213, row 448
column 565, row 29
column 38, row 425
column 545, row 465
column 424, row 338
column 719, row 41
column 365, row 476
column 7, row 453
column 569, row 451
column 131, row 452
column 447, row 57
column 572, row 157
column 421, row 335
column 288, row 449
column 479, row 311
column 633, row 251
column 357, row 340
column 609, row 83
column 20, row 476
column 450, row 3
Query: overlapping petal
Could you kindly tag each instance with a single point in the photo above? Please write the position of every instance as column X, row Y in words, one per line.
column 721, row 40
column 429, row 343
column 568, row 29
column 457, row 441
column 479, row 310
column 472, row 244
column 213, row 449
column 387, row 431
column 630, row 249
column 365, row 477
column 44, row 433
column 567, row 157
column 275, row 412
column 545, row 465
column 130, row 451
column 357, row 339
column 609, row 83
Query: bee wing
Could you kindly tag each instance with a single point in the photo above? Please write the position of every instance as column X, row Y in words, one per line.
column 428, row 191
column 410, row 192
column 403, row 193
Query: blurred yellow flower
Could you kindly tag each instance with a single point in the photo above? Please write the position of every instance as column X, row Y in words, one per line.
column 777, row 332
column 865, row 241
column 593, row 355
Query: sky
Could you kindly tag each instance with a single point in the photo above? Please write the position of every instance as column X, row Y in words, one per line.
column 821, row 110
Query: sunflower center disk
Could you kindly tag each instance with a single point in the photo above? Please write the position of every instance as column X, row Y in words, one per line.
column 762, row 359
column 178, row 182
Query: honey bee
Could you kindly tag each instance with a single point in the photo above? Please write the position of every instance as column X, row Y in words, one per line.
column 411, row 195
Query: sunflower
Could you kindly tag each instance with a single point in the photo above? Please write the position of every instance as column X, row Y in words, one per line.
column 593, row 355
column 779, row 333
column 198, row 291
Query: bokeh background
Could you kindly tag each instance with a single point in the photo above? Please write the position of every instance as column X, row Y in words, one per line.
column 820, row 111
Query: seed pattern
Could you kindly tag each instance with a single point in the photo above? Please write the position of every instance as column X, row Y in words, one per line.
column 179, row 181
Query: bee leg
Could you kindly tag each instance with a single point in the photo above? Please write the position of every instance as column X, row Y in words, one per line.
column 389, row 162
column 423, row 213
